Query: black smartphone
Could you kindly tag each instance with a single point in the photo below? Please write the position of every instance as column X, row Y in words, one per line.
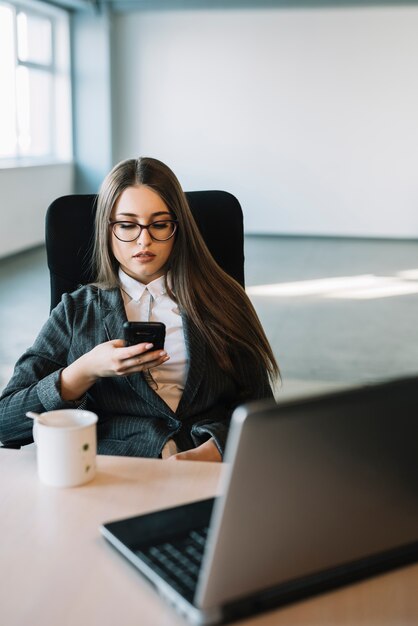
column 144, row 332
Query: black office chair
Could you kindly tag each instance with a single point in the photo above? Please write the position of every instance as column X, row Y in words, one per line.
column 69, row 230
column 70, row 226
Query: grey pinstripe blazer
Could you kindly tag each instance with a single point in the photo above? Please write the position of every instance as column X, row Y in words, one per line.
column 133, row 419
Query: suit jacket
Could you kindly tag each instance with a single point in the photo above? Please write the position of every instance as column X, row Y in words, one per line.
column 133, row 419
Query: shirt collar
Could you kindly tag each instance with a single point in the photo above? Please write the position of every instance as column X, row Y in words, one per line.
column 135, row 289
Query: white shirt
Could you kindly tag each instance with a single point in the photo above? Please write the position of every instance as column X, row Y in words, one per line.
column 151, row 303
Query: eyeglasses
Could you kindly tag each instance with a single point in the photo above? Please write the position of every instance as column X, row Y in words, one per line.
column 158, row 231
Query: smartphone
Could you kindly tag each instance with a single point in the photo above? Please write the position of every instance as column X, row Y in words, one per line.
column 144, row 332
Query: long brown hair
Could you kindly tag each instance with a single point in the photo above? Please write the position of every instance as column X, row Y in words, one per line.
column 216, row 304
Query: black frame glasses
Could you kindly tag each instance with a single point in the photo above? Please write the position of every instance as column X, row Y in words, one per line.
column 141, row 228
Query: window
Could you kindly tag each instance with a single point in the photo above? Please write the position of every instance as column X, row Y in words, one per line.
column 35, row 106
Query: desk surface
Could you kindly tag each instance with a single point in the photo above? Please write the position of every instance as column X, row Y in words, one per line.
column 56, row 568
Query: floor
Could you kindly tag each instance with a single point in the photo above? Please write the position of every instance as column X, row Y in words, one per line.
column 24, row 305
column 336, row 311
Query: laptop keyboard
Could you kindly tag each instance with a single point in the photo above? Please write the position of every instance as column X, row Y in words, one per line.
column 178, row 561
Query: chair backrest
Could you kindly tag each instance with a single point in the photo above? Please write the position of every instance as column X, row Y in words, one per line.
column 70, row 229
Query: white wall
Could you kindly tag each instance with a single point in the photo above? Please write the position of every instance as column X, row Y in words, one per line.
column 310, row 116
column 91, row 99
column 26, row 194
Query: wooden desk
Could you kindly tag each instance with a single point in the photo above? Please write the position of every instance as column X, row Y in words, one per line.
column 57, row 570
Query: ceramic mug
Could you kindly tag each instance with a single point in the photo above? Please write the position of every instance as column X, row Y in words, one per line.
column 66, row 447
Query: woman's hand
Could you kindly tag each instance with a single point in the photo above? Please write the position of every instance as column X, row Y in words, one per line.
column 205, row 452
column 111, row 358
column 114, row 359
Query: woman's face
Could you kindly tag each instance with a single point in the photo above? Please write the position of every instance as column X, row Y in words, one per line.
column 144, row 258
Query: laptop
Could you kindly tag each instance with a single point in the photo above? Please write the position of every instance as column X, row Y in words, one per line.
column 319, row 491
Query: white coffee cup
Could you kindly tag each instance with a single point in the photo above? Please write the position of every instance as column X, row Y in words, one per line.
column 66, row 447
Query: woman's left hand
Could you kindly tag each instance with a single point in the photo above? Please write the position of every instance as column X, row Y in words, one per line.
column 205, row 452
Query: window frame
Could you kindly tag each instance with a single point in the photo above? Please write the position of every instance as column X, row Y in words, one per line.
column 53, row 14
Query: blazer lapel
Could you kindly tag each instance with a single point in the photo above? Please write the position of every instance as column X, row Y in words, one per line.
column 196, row 351
column 113, row 312
column 114, row 317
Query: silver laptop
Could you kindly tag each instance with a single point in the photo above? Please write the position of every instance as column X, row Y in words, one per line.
column 319, row 491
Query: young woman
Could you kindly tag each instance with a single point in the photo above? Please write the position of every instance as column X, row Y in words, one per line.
column 152, row 265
